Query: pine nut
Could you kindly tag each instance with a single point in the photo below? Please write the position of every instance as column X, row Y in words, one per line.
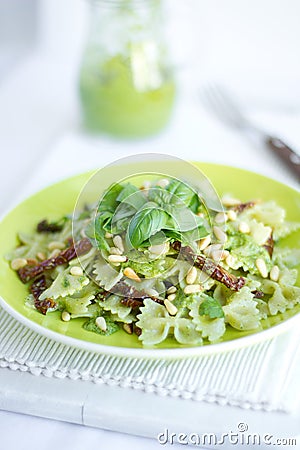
column 262, row 268
column 220, row 235
column 232, row 215
column 18, row 263
column 172, row 290
column 152, row 292
column 274, row 274
column 244, row 227
column 118, row 241
column 172, row 310
column 171, row 297
column 219, row 255
column 200, row 214
column 41, row 256
column 115, row 251
column 191, row 275
column 203, row 243
column 56, row 245
column 130, row 273
column 101, row 323
column 159, row 249
column 108, row 235
column 163, row 183
column 128, row 328
column 231, row 262
column 76, row 271
column 230, row 201
column 117, row 258
column 54, row 254
column 65, row 316
column 192, row 289
column 221, row 217
column 32, row 261
column 212, row 248
column 146, row 185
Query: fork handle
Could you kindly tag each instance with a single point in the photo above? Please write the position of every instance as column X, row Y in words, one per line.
column 283, row 151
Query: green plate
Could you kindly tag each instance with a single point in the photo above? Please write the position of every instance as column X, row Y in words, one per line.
column 60, row 199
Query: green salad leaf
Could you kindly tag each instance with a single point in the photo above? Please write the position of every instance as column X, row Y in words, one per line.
column 121, row 219
column 150, row 268
column 244, row 248
column 132, row 196
column 211, row 307
column 97, row 228
column 145, row 223
column 109, row 201
column 160, row 196
column 182, row 193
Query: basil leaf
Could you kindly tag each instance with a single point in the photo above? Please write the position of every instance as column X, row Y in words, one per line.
column 96, row 230
column 158, row 238
column 182, row 193
column 173, row 234
column 145, row 223
column 132, row 195
column 109, row 201
column 189, row 237
column 183, row 218
column 211, row 307
column 195, row 203
column 127, row 190
column 160, row 196
column 121, row 218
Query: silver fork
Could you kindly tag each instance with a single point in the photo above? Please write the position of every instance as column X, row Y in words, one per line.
column 221, row 103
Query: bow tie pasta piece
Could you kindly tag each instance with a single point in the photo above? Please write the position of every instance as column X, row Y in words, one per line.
column 185, row 332
column 106, row 275
column 269, row 213
column 120, row 312
column 259, row 232
column 78, row 306
column 65, row 285
column 241, row 312
column 283, row 294
column 284, row 229
column 155, row 323
column 209, row 328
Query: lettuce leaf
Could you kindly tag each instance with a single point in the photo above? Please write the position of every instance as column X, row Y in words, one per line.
column 243, row 247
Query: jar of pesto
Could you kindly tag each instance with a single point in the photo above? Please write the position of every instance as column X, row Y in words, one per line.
column 127, row 87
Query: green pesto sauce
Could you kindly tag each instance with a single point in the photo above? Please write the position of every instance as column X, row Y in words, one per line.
column 112, row 326
column 112, row 104
column 65, row 282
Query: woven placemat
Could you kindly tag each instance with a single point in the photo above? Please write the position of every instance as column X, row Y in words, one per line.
column 261, row 376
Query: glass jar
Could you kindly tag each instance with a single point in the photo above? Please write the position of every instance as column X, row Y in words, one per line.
column 127, row 87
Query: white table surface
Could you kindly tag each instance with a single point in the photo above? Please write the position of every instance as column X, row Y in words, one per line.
column 32, row 124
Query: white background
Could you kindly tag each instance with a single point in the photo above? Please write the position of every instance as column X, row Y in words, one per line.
column 251, row 45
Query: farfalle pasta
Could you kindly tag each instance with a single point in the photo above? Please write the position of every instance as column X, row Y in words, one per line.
column 156, row 262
